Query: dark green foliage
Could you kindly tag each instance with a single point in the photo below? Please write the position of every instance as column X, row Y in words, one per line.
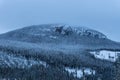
column 57, row 61
column 117, row 69
column 105, row 73
column 35, row 73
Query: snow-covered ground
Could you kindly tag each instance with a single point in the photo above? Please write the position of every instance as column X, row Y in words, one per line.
column 7, row 60
column 78, row 72
column 106, row 55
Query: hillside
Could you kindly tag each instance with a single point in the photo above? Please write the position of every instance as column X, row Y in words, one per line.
column 54, row 46
column 62, row 34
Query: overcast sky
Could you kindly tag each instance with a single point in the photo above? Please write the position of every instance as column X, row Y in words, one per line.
column 102, row 15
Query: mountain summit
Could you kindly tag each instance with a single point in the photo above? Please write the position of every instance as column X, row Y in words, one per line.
column 81, row 37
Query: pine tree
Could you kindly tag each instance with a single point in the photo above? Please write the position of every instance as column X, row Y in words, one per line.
column 117, row 69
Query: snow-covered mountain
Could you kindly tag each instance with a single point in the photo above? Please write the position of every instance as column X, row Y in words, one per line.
column 54, row 44
column 61, row 34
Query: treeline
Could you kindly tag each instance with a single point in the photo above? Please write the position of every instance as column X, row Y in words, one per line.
column 57, row 61
column 49, row 73
column 58, row 58
column 35, row 73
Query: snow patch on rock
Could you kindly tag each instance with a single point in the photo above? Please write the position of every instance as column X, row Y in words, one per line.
column 82, row 31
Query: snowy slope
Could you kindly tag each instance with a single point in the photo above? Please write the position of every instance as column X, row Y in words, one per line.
column 51, row 42
column 51, row 55
column 12, row 61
